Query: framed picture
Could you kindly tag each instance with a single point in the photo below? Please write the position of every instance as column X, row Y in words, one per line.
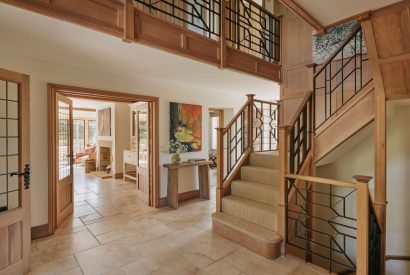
column 104, row 122
column 186, row 125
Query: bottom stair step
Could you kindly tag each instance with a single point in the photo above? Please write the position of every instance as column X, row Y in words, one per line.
column 260, row 240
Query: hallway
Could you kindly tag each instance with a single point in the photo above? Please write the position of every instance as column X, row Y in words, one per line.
column 112, row 232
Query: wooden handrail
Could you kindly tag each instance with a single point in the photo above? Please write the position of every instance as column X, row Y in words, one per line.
column 347, row 41
column 300, row 109
column 265, row 101
column 323, row 180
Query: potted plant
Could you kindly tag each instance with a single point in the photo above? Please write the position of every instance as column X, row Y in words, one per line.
column 176, row 148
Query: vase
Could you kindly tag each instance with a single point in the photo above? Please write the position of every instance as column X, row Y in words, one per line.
column 176, row 159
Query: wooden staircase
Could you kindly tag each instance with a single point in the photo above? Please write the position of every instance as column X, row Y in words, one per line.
column 273, row 202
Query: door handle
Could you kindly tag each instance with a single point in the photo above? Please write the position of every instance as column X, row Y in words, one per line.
column 26, row 174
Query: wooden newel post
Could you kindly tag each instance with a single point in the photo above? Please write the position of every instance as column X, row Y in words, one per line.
column 250, row 120
column 283, row 169
column 220, row 169
column 362, row 224
column 361, row 178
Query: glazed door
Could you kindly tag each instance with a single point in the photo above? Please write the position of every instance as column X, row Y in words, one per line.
column 64, row 157
column 143, row 147
column 15, row 236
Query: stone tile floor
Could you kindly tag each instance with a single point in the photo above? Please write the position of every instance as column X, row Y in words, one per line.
column 113, row 232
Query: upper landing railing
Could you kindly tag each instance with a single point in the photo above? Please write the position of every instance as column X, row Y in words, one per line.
column 247, row 26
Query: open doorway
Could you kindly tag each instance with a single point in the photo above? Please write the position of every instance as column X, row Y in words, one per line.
column 103, row 154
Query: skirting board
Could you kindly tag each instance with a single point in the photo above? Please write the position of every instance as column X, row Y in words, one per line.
column 39, row 231
column 181, row 197
column 118, row 176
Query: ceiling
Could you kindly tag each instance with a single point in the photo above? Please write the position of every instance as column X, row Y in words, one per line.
column 330, row 11
column 56, row 41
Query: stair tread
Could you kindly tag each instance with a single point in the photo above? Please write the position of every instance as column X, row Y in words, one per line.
column 255, row 231
column 260, row 174
column 252, row 211
column 251, row 203
column 265, row 159
column 256, row 191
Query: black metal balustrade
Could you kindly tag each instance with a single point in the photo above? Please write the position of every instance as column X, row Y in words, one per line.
column 339, row 79
column 321, row 222
column 265, row 124
column 235, row 140
column 374, row 243
column 252, row 29
column 200, row 16
column 300, row 137
column 254, row 128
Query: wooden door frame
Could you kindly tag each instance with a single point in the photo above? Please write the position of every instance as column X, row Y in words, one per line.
column 221, row 114
column 103, row 95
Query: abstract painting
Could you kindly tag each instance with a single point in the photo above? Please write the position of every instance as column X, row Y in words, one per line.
column 186, row 125
column 325, row 45
column 104, row 122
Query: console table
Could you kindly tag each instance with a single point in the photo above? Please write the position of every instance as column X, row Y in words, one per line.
column 173, row 178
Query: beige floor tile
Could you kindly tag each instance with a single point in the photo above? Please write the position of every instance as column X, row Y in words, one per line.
column 60, row 246
column 48, row 265
column 75, row 271
column 161, row 254
column 107, row 210
column 302, row 270
column 207, row 248
column 180, row 267
column 108, row 257
column 141, row 266
column 84, row 210
column 220, row 267
column 251, row 263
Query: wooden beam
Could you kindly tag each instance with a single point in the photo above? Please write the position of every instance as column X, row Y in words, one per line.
column 292, row 5
column 380, row 133
column 129, row 24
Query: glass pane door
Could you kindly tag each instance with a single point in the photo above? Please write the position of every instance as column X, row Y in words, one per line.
column 64, row 133
column 9, row 145
column 142, row 116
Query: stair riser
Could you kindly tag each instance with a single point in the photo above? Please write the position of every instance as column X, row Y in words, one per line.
column 249, row 173
column 270, row 251
column 253, row 215
column 265, row 160
column 262, row 195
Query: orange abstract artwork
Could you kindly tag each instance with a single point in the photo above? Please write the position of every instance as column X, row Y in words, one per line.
column 186, row 125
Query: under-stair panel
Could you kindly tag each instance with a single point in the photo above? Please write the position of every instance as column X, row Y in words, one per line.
column 344, row 124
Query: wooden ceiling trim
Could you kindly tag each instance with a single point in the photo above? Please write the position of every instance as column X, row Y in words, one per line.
column 292, row 5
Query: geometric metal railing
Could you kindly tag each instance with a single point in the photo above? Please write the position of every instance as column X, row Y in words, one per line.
column 254, row 127
column 333, row 224
column 265, row 125
column 200, row 16
column 341, row 77
column 321, row 221
column 300, row 135
column 251, row 28
column 375, row 235
column 248, row 27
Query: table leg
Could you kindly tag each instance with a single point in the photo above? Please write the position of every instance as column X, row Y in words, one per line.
column 204, row 189
column 173, row 175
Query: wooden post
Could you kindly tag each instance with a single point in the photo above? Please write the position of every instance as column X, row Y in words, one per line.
column 361, row 178
column 223, row 36
column 362, row 241
column 283, row 169
column 250, row 121
column 220, row 169
column 380, row 134
column 129, row 17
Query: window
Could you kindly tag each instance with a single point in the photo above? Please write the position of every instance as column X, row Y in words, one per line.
column 92, row 131
column 78, row 136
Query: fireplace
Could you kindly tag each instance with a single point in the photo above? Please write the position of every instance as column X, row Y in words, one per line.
column 104, row 157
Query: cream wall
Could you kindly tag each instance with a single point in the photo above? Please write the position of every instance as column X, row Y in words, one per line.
column 42, row 72
column 360, row 160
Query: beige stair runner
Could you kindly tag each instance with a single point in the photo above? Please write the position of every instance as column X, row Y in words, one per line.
column 249, row 213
